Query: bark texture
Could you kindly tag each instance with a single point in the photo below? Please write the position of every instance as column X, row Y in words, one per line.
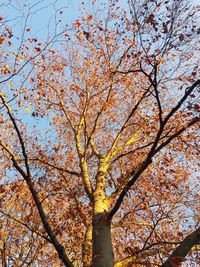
column 102, row 243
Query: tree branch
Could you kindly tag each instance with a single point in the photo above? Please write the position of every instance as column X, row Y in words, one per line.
column 27, row 177
column 18, row 133
column 26, row 225
column 57, row 167
column 153, row 151
column 179, row 254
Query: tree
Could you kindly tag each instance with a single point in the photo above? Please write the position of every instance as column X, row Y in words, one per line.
column 110, row 177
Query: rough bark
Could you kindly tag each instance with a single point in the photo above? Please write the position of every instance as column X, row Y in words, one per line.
column 102, row 243
column 179, row 254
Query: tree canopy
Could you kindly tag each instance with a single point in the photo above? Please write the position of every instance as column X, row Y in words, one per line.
column 99, row 140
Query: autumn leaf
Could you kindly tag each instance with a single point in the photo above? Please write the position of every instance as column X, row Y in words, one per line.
column 38, row 49
column 89, row 18
column 78, row 23
column 2, row 39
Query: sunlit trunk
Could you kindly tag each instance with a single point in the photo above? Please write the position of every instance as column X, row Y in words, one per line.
column 102, row 251
column 87, row 247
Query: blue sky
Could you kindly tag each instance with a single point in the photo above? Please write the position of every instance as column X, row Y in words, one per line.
column 44, row 12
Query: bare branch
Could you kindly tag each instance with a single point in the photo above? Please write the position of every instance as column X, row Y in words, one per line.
column 56, row 167
column 26, row 225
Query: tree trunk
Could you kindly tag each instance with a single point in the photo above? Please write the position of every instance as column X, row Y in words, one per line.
column 87, row 247
column 102, row 243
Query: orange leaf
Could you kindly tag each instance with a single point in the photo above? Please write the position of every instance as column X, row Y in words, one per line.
column 38, row 49
column 89, row 18
column 2, row 39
